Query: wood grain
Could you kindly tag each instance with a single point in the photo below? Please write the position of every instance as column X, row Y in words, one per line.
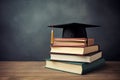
column 34, row 70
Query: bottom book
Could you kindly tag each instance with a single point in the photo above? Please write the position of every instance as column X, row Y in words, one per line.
column 74, row 67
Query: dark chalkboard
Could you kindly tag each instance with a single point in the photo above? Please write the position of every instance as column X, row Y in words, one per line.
column 24, row 32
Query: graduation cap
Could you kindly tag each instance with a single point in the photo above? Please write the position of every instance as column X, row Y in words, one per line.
column 74, row 30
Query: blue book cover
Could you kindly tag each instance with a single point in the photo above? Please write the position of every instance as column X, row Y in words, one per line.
column 75, row 67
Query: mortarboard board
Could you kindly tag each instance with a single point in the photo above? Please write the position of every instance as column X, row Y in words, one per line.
column 74, row 30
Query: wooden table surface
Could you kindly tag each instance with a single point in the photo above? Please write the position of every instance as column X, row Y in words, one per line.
column 34, row 70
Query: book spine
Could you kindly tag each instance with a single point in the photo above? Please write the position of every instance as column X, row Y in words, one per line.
column 93, row 66
column 73, row 45
column 71, row 39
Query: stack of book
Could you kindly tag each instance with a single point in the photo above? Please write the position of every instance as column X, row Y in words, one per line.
column 75, row 55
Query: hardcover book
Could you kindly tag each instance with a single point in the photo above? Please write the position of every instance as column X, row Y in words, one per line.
column 77, row 58
column 74, row 67
column 74, row 50
column 77, row 42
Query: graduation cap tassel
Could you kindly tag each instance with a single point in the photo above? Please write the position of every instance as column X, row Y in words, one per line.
column 52, row 36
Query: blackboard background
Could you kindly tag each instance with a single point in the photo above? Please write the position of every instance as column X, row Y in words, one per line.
column 24, row 34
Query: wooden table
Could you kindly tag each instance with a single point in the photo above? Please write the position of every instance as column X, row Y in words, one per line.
column 34, row 70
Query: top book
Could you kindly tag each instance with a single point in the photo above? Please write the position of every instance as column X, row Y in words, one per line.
column 76, row 42
column 74, row 30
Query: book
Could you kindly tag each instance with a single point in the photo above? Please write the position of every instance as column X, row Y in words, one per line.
column 74, row 67
column 77, row 58
column 73, row 42
column 73, row 39
column 74, row 50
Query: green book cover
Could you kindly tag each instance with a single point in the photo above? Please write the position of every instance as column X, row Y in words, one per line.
column 87, row 67
column 75, row 67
